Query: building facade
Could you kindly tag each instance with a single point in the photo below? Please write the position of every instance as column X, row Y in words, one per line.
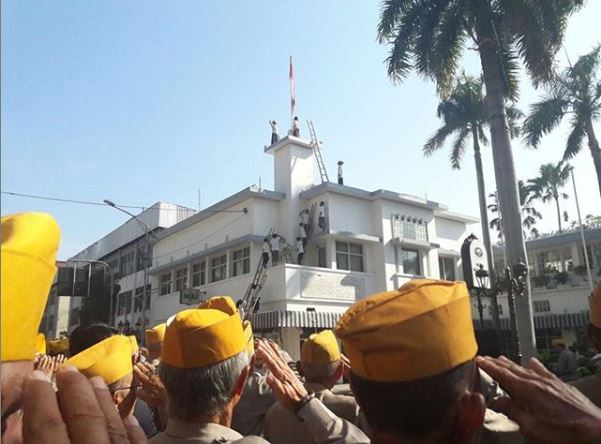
column 369, row 242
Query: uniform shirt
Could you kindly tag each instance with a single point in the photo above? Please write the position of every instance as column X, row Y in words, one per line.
column 302, row 231
column 266, row 248
column 590, row 386
column 299, row 246
column 567, row 364
column 304, row 218
column 181, row 432
column 321, row 212
column 281, row 426
column 249, row 414
column 274, row 127
column 275, row 243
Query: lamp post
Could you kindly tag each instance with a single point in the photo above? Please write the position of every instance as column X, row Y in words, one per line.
column 147, row 234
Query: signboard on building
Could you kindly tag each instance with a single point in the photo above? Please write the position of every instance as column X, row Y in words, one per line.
column 192, row 296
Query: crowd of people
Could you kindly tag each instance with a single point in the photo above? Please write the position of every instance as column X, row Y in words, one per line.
column 410, row 356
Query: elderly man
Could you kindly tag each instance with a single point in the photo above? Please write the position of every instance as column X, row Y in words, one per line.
column 412, row 356
column 206, row 360
column 29, row 245
column 322, row 368
column 591, row 385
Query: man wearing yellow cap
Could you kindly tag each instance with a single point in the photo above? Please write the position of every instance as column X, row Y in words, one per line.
column 206, row 359
column 591, row 385
column 322, row 368
column 29, row 245
column 412, row 356
column 154, row 341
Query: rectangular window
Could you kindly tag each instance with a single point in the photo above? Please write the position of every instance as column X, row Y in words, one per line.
column 199, row 274
column 181, row 279
column 127, row 264
column 218, row 268
column 321, row 257
column 499, row 309
column 241, row 261
column 349, row 256
column 410, row 262
column 165, row 284
column 138, row 300
column 542, row 306
column 124, row 307
column 408, row 227
column 114, row 265
column 446, row 266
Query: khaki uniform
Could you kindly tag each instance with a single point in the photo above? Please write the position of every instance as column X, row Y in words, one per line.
column 323, row 426
column 590, row 386
column 283, row 426
column 249, row 414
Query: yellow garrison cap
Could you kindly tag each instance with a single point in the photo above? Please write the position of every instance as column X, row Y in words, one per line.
column 133, row 344
column 29, row 245
column 204, row 336
column 320, row 348
column 422, row 329
column 57, row 346
column 40, row 343
column 110, row 359
column 156, row 334
column 594, row 301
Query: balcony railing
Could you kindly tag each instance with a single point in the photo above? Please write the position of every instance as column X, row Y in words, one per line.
column 408, row 227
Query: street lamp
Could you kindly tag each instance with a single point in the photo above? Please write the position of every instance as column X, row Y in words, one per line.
column 147, row 234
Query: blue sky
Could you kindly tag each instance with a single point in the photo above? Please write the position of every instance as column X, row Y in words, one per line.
column 145, row 101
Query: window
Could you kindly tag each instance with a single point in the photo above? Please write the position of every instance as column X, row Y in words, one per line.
column 75, row 316
column 139, row 299
column 321, row 257
column 349, row 256
column 410, row 262
column 124, row 304
column 181, row 279
column 165, row 284
column 127, row 264
column 113, row 265
column 542, row 306
column 199, row 274
column 241, row 261
column 550, row 262
column 446, row 265
column 218, row 268
column 143, row 252
column 408, row 227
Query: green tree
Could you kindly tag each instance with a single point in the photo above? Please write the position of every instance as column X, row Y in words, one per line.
column 575, row 91
column 465, row 115
column 430, row 36
column 530, row 215
column 549, row 182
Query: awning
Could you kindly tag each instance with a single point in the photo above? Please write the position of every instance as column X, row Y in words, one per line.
column 301, row 319
column 564, row 320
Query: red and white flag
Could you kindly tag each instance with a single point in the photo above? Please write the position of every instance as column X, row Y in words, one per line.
column 292, row 89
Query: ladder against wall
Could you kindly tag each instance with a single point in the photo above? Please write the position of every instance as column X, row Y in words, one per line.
column 316, row 145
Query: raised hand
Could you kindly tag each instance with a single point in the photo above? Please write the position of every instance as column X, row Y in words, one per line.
column 81, row 412
column 547, row 409
column 152, row 391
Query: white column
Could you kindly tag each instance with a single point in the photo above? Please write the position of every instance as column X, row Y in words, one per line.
column 291, row 341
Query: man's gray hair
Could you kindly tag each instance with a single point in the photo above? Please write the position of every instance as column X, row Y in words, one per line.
column 203, row 390
column 319, row 372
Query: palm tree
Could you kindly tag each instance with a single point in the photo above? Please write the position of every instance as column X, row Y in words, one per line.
column 575, row 91
column 465, row 115
column 530, row 215
column 547, row 186
column 429, row 36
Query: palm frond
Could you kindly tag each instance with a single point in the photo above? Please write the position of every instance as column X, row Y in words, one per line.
column 482, row 135
column 514, row 114
column 544, row 116
column 437, row 140
column 574, row 143
column 459, row 148
column 390, row 13
column 399, row 59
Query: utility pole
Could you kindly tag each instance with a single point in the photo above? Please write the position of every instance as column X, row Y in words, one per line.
column 147, row 234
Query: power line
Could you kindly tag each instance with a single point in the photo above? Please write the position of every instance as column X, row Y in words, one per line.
column 103, row 204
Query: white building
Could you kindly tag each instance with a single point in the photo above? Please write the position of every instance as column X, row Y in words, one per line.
column 560, row 287
column 372, row 241
column 122, row 250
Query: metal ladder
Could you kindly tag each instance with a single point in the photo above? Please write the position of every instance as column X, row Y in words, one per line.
column 251, row 297
column 317, row 150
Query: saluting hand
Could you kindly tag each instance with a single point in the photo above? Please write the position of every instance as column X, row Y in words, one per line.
column 82, row 411
column 152, row 390
column 286, row 385
column 546, row 409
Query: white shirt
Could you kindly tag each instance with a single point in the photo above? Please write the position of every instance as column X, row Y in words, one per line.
column 321, row 212
column 303, row 233
column 275, row 243
column 299, row 246
column 274, row 127
column 266, row 247
column 305, row 218
column 295, row 124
